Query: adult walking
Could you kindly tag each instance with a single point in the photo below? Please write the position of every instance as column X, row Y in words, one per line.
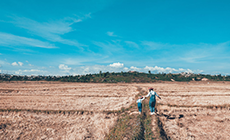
column 152, row 100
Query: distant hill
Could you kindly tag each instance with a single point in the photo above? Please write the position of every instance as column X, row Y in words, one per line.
column 125, row 77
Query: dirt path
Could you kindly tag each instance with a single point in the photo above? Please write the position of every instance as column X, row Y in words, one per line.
column 132, row 125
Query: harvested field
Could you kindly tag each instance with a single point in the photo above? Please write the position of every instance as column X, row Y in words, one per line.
column 66, row 96
column 60, row 110
column 194, row 110
column 56, row 110
column 27, row 125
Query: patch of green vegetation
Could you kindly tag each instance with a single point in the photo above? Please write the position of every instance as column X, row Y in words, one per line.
column 127, row 127
column 135, row 126
column 147, row 122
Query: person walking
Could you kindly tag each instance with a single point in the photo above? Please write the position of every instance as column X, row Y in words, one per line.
column 139, row 103
column 152, row 100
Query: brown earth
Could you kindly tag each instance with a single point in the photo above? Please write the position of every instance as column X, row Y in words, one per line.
column 60, row 110
column 193, row 110
column 66, row 96
column 27, row 125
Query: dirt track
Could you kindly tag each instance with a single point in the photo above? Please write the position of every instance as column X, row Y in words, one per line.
column 194, row 110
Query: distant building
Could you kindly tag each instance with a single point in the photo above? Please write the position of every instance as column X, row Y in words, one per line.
column 204, row 79
column 198, row 78
column 132, row 71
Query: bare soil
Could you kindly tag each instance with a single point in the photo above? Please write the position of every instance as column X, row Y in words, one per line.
column 82, row 109
column 66, row 96
column 27, row 125
column 193, row 110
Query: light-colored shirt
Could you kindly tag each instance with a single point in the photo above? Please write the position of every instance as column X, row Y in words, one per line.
column 140, row 100
column 152, row 93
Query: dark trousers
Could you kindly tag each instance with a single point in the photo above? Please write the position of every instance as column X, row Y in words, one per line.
column 152, row 105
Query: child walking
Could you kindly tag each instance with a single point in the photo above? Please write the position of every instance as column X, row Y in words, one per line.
column 139, row 103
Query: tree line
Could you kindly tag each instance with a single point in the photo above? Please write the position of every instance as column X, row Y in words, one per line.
column 125, row 77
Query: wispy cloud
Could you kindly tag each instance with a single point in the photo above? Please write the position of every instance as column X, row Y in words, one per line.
column 31, row 72
column 205, row 52
column 110, row 47
column 51, row 31
column 13, row 40
column 189, row 53
column 29, row 63
column 132, row 44
column 111, row 34
column 2, row 62
column 155, row 45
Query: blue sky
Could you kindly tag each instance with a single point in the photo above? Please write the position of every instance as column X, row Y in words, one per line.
column 86, row 36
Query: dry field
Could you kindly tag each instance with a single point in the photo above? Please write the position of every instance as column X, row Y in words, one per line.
column 194, row 110
column 60, row 110
column 55, row 110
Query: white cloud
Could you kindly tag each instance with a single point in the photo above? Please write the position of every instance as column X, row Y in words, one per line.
column 111, row 34
column 132, row 68
column 51, row 31
column 0, row 53
column 117, row 65
column 31, row 72
column 13, row 40
column 98, row 68
column 20, row 63
column 167, row 69
column 64, row 67
column 14, row 64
